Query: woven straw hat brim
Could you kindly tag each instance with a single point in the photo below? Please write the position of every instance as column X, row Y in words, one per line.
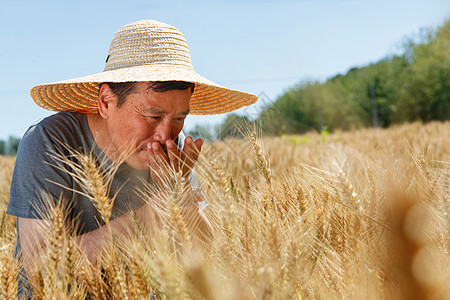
column 80, row 94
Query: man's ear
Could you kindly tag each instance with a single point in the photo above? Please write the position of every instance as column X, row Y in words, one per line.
column 107, row 100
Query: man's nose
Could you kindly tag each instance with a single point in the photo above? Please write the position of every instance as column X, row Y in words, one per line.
column 162, row 132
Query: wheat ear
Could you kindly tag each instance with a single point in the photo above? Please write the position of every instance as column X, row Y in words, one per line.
column 8, row 274
column 97, row 187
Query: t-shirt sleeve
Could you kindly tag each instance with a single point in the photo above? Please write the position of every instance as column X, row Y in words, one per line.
column 38, row 177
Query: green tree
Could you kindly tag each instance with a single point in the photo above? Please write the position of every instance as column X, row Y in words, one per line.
column 205, row 132
column 12, row 145
column 2, row 147
column 424, row 93
column 233, row 126
column 295, row 111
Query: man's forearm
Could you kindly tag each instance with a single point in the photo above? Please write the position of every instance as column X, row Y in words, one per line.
column 93, row 243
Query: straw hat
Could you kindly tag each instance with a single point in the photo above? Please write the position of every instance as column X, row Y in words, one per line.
column 142, row 51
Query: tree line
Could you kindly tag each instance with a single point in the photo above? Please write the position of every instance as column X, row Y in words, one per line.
column 9, row 146
column 412, row 86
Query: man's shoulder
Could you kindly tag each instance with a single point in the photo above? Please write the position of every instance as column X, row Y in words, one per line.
column 37, row 166
column 63, row 128
column 58, row 122
column 62, row 125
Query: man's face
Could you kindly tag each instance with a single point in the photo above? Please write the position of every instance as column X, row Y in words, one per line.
column 146, row 117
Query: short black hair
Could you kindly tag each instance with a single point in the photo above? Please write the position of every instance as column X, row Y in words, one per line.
column 123, row 89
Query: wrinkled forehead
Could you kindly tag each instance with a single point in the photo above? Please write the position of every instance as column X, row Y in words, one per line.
column 170, row 102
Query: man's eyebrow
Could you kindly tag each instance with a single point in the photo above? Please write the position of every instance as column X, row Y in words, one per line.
column 155, row 110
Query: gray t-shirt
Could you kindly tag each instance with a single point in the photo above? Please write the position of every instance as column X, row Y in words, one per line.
column 37, row 172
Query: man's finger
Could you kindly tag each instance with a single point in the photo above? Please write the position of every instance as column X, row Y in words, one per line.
column 157, row 157
column 159, row 152
column 173, row 155
column 192, row 147
column 198, row 143
column 191, row 151
column 158, row 163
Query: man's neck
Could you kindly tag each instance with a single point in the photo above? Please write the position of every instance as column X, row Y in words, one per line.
column 97, row 126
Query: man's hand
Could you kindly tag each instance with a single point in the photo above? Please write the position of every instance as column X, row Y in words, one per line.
column 164, row 163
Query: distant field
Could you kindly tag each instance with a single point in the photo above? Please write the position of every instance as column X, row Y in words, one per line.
column 349, row 215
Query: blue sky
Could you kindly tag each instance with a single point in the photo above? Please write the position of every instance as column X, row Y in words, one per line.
column 258, row 46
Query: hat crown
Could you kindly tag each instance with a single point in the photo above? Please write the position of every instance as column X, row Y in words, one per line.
column 148, row 43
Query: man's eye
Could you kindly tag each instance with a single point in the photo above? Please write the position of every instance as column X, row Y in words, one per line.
column 154, row 118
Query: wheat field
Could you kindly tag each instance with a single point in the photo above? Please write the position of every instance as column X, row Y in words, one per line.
column 349, row 215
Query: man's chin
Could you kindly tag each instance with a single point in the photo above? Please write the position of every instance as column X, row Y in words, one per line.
column 139, row 161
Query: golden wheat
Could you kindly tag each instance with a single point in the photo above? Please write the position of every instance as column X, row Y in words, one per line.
column 326, row 220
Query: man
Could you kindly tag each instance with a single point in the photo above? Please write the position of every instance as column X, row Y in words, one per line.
column 130, row 114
